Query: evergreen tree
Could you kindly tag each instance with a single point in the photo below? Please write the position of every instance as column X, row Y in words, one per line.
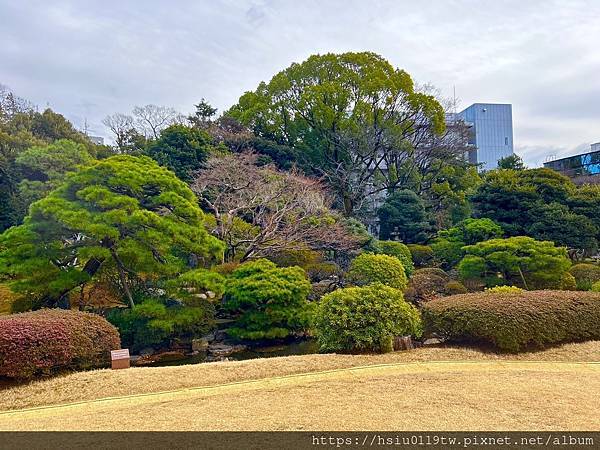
column 403, row 217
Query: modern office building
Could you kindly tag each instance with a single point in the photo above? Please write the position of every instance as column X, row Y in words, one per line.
column 492, row 133
column 584, row 168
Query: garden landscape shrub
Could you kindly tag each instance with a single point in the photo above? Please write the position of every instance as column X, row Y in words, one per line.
column 364, row 319
column 585, row 275
column 427, row 283
column 513, row 320
column 397, row 249
column 596, row 287
column 368, row 268
column 48, row 340
column 271, row 302
column 422, row 255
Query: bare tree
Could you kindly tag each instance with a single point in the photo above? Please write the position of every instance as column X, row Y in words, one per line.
column 10, row 104
column 260, row 210
column 152, row 119
column 120, row 125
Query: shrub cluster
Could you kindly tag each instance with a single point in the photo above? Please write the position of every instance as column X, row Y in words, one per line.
column 585, row 275
column 364, row 319
column 428, row 283
column 516, row 320
column 368, row 268
column 397, row 249
column 422, row 255
column 44, row 341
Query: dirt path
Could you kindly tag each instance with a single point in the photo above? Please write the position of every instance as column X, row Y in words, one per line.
column 490, row 395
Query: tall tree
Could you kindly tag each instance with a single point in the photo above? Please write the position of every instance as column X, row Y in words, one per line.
column 403, row 217
column 150, row 120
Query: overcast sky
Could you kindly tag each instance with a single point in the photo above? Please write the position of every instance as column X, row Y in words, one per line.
column 87, row 59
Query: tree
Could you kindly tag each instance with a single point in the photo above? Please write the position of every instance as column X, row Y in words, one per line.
column 260, row 211
column 403, row 217
column 514, row 162
column 203, row 115
column 448, row 245
column 271, row 301
column 121, row 126
column 124, row 214
column 352, row 117
column 182, row 149
column 150, row 120
column 585, row 200
column 516, row 261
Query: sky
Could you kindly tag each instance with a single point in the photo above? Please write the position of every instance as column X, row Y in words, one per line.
column 87, row 59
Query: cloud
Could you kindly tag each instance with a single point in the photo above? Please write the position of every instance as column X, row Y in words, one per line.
column 87, row 59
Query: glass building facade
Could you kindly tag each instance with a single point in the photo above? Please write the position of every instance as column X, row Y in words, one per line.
column 492, row 132
column 587, row 164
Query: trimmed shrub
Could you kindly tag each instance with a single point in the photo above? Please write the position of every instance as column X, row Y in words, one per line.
column 368, row 268
column 596, row 286
column 568, row 282
column 364, row 319
column 271, row 302
column 7, row 299
column 226, row 269
column 48, row 340
column 425, row 284
column 585, row 275
column 323, row 271
column 454, row 288
column 517, row 320
column 399, row 250
column 422, row 255
column 508, row 290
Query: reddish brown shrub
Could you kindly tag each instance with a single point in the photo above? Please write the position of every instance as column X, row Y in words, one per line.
column 45, row 341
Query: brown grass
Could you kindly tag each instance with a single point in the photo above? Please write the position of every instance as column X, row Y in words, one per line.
column 491, row 395
column 98, row 384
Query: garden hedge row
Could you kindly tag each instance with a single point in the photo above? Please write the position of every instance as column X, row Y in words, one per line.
column 515, row 321
column 41, row 342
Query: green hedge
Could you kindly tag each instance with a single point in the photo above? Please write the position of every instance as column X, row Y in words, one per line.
column 585, row 275
column 517, row 320
column 364, row 319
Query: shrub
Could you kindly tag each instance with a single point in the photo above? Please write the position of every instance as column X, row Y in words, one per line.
column 567, row 282
column 585, row 275
column 399, row 250
column 45, row 341
column 596, row 286
column 364, row 318
column 227, row 268
column 7, row 299
column 422, row 255
column 427, row 283
column 454, row 288
column 271, row 301
column 323, row 271
column 508, row 290
column 516, row 320
column 368, row 268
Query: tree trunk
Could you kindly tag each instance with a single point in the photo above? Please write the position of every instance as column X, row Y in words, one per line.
column 122, row 277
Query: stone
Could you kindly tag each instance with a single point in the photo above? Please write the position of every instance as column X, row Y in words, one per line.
column 147, row 351
column 432, row 341
column 221, row 350
column 199, row 345
column 160, row 357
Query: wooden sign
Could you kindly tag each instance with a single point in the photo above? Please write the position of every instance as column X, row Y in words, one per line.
column 120, row 358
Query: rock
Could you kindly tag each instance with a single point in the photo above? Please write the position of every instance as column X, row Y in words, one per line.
column 221, row 350
column 210, row 337
column 220, row 335
column 147, row 351
column 160, row 357
column 199, row 345
column 134, row 358
column 210, row 294
column 432, row 341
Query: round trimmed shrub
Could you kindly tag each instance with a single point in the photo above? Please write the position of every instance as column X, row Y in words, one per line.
column 399, row 250
column 422, row 255
column 508, row 290
column 48, row 340
column 368, row 268
column 454, row 288
column 515, row 321
column 585, row 275
column 568, row 282
column 596, row 286
column 364, row 319
column 427, row 283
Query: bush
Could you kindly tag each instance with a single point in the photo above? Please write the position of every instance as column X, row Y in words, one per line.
column 508, row 290
column 427, row 283
column 271, row 301
column 585, row 275
column 44, row 341
column 399, row 250
column 454, row 288
column 596, row 286
column 323, row 271
column 226, row 269
column 567, row 282
column 517, row 320
column 364, row 319
column 422, row 255
column 368, row 268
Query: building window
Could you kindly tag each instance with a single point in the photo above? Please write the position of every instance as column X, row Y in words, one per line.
column 506, row 141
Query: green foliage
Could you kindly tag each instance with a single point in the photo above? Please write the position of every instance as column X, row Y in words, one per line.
column 567, row 282
column 596, row 287
column 123, row 213
column 271, row 301
column 506, row 290
column 428, row 283
column 367, row 268
column 155, row 321
column 364, row 319
column 585, row 275
column 181, row 149
column 517, row 320
column 422, row 255
column 403, row 216
column 398, row 250
column 454, row 288
column 448, row 246
column 520, row 261
column 514, row 162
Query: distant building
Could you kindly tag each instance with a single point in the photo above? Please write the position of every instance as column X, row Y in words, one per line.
column 492, row 133
column 584, row 168
column 96, row 140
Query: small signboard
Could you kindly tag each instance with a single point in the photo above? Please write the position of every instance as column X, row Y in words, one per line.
column 120, row 358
